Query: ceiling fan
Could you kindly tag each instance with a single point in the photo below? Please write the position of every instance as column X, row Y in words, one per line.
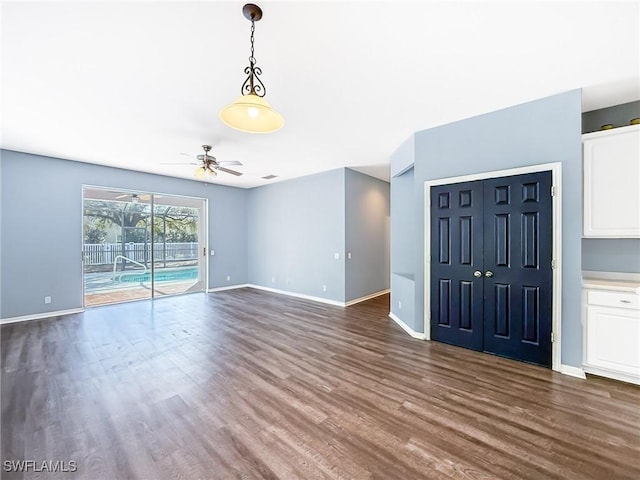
column 135, row 197
column 209, row 165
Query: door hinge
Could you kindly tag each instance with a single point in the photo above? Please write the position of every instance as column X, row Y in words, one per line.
column 553, row 337
column 553, row 190
column 204, row 251
column 553, row 264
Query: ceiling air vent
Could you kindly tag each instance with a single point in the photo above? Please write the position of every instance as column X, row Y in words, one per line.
column 269, row 177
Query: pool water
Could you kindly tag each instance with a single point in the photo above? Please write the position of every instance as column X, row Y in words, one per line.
column 162, row 275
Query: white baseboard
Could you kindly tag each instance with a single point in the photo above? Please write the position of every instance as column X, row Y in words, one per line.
column 38, row 316
column 298, row 295
column 301, row 295
column 407, row 328
column 572, row 371
column 366, row 297
column 608, row 373
column 229, row 287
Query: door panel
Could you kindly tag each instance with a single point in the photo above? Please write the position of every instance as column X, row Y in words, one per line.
column 518, row 251
column 456, row 252
column 501, row 228
column 179, row 245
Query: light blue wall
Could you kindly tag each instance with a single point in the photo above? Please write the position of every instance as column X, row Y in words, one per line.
column 611, row 255
column 403, row 240
column 543, row 131
column 403, row 227
column 367, row 235
column 295, row 229
column 41, row 218
column 404, row 156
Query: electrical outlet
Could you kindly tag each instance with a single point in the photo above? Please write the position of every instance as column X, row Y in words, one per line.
column 399, row 305
column 336, row 256
column 324, row 288
column 47, row 299
column 228, row 278
column 349, row 255
column 273, row 279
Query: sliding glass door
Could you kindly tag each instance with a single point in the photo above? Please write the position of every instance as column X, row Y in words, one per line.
column 139, row 245
column 178, row 245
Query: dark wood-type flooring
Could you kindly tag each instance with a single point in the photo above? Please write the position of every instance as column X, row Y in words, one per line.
column 249, row 384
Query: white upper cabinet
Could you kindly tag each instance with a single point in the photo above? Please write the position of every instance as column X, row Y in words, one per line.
column 612, row 182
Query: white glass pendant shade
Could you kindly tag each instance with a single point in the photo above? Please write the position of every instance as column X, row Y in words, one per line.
column 253, row 114
column 200, row 171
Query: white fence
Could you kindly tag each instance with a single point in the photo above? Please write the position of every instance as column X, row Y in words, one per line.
column 105, row 253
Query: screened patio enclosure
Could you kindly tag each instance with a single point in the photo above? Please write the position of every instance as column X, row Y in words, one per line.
column 141, row 245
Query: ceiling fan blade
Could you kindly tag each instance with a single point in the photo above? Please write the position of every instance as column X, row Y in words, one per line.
column 121, row 196
column 181, row 163
column 229, row 162
column 232, row 172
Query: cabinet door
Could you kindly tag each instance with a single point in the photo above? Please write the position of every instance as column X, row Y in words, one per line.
column 611, row 190
column 613, row 339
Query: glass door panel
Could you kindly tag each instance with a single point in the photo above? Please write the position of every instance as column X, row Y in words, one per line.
column 178, row 253
column 116, row 246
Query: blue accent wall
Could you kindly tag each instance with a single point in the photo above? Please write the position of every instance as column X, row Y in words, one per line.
column 611, row 255
column 403, row 158
column 542, row 131
column 283, row 236
column 41, row 228
column 404, row 239
column 295, row 229
column 366, row 235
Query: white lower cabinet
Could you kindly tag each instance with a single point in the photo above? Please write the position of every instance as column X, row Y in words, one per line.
column 612, row 334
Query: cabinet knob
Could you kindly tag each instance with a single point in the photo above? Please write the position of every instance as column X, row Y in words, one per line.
column 488, row 273
column 477, row 273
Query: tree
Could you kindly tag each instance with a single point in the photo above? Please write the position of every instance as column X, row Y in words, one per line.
column 112, row 213
column 173, row 224
column 176, row 224
column 93, row 234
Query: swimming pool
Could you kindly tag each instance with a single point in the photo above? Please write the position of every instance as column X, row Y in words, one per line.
column 160, row 275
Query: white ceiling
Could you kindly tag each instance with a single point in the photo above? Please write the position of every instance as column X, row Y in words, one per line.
column 136, row 84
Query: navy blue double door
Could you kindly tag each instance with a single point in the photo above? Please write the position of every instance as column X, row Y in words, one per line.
column 491, row 273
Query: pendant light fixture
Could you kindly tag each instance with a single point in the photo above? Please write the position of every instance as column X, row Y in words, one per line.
column 251, row 112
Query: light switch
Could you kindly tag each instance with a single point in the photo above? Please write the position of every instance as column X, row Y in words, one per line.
column 349, row 255
column 212, row 252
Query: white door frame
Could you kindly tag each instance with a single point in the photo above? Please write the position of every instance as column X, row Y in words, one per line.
column 556, row 182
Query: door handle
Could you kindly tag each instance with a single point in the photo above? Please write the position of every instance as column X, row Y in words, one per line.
column 477, row 273
column 488, row 273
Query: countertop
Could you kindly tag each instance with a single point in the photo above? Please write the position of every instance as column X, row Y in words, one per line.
column 621, row 282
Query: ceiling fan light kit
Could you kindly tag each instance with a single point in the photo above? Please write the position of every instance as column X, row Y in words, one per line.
column 251, row 112
column 202, row 171
column 210, row 165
